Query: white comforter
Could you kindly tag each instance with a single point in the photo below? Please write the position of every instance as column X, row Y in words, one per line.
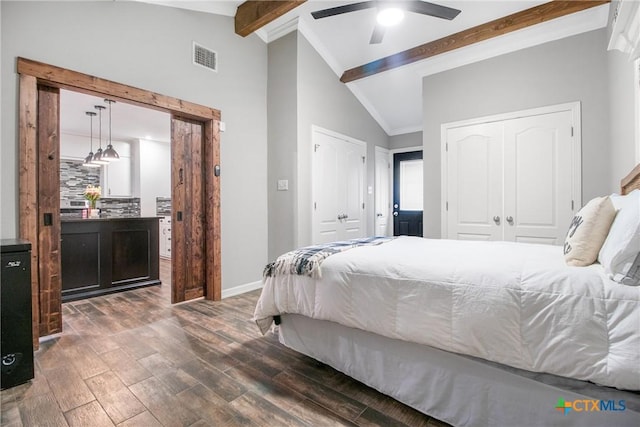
column 512, row 303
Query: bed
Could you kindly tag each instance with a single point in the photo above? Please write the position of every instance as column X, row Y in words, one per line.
column 472, row 333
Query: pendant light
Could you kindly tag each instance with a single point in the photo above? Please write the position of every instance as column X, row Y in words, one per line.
column 97, row 158
column 110, row 154
column 88, row 161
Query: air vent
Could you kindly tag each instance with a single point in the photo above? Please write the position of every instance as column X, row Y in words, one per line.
column 205, row 57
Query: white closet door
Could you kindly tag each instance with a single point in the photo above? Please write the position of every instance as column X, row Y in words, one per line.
column 383, row 191
column 538, row 178
column 326, row 189
column 474, row 176
column 338, row 188
column 353, row 186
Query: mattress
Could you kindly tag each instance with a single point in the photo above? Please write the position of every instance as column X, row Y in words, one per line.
column 512, row 303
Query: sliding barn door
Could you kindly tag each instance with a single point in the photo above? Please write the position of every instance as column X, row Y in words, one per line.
column 49, row 278
column 188, row 231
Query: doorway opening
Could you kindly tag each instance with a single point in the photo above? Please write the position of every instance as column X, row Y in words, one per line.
column 408, row 193
column 195, row 156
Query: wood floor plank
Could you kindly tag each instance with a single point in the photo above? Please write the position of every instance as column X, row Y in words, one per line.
column 263, row 412
column 223, row 385
column 145, row 419
column 85, row 360
column 116, row 399
column 316, row 415
column 133, row 344
column 125, row 367
column 42, row 410
column 177, row 380
column 208, row 405
column 68, row 388
column 90, row 414
column 379, row 401
column 163, row 404
column 334, row 401
column 372, row 418
column 10, row 414
column 256, row 381
column 204, row 363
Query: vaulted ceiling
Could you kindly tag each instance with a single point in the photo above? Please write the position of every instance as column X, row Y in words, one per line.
column 387, row 77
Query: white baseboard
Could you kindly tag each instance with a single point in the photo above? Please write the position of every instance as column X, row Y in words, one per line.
column 237, row 290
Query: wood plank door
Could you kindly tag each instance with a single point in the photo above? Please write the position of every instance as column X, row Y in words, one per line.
column 538, row 178
column 48, row 226
column 474, row 178
column 188, row 211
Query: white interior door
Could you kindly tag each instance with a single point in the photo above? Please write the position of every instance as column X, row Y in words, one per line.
column 538, row 178
column 338, row 187
column 474, row 177
column 383, row 191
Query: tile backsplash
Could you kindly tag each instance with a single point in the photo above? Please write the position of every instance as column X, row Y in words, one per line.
column 74, row 178
column 111, row 207
column 163, row 206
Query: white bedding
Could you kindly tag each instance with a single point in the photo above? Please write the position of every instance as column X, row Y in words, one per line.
column 512, row 303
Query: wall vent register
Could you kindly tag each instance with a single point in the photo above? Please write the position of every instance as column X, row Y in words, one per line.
column 205, row 57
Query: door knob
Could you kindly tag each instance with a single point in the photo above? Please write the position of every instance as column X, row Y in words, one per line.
column 496, row 219
column 395, row 206
column 510, row 220
column 395, row 214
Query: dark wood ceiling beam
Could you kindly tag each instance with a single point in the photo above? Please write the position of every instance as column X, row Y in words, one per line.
column 255, row 14
column 517, row 21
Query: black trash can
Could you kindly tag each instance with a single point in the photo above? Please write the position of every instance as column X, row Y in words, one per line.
column 15, row 311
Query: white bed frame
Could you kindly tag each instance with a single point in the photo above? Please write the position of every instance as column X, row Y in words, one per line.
column 461, row 390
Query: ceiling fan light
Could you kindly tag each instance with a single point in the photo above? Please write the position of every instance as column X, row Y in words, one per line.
column 390, row 16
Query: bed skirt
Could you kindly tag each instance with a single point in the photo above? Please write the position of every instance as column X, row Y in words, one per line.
column 460, row 390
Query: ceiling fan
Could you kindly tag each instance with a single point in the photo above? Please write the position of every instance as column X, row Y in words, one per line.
column 390, row 13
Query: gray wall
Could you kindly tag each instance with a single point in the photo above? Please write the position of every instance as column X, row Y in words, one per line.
column 149, row 47
column 413, row 139
column 283, row 137
column 326, row 102
column 304, row 91
column 621, row 117
column 567, row 70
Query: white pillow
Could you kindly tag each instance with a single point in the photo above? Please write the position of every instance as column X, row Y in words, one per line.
column 620, row 253
column 588, row 231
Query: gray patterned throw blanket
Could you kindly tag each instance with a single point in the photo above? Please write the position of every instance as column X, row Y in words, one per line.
column 306, row 261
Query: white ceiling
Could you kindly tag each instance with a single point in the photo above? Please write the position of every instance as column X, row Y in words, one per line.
column 128, row 122
column 394, row 98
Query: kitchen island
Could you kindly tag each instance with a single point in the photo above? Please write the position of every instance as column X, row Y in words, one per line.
column 106, row 255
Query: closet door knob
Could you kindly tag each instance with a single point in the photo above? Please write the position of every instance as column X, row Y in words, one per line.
column 510, row 220
column 496, row 219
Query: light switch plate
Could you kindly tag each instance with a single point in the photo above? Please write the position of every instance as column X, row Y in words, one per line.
column 283, row 184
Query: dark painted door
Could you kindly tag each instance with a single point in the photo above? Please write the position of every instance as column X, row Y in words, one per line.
column 407, row 194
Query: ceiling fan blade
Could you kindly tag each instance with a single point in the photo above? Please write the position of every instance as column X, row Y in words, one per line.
column 378, row 34
column 343, row 9
column 431, row 9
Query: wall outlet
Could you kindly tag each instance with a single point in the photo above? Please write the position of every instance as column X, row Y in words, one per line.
column 283, row 184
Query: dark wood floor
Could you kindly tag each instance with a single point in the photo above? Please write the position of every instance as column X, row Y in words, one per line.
column 132, row 359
